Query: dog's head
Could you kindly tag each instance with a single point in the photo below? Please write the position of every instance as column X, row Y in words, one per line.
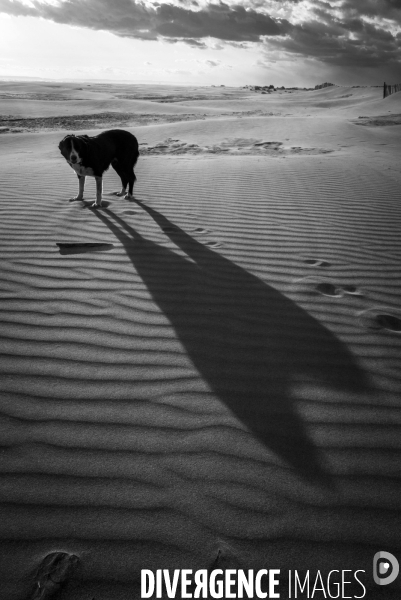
column 73, row 148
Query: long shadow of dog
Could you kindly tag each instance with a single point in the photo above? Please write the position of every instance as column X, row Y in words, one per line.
column 248, row 341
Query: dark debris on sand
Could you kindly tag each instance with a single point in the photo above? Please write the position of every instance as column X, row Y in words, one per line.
column 15, row 124
column 105, row 120
column 379, row 120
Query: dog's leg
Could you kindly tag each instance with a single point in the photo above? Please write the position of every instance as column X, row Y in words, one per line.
column 81, row 183
column 124, row 181
column 99, row 189
column 132, row 180
column 121, row 192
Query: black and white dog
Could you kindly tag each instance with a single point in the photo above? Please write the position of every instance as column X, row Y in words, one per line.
column 93, row 155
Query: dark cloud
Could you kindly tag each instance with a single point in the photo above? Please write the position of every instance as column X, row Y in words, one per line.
column 344, row 33
column 122, row 17
column 348, row 34
column 129, row 18
column 189, row 41
column 368, row 46
column 221, row 21
column 194, row 43
column 388, row 9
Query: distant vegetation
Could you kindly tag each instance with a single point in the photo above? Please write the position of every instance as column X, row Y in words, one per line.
column 265, row 89
column 268, row 89
column 323, row 85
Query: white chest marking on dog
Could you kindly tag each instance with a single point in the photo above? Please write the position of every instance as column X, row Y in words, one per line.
column 74, row 153
column 79, row 170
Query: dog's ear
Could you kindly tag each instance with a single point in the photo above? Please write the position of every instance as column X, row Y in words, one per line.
column 62, row 145
column 63, row 142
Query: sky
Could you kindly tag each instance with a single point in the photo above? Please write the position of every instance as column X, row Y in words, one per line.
column 203, row 42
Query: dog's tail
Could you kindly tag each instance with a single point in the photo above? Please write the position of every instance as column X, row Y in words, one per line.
column 135, row 152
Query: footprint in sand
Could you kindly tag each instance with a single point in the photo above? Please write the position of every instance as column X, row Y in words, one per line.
column 198, row 231
column 225, row 558
column 352, row 290
column 213, row 244
column 130, row 212
column 381, row 319
column 317, row 262
column 52, row 573
column 327, row 288
column 389, row 322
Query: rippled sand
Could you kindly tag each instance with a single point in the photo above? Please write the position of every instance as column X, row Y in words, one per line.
column 210, row 371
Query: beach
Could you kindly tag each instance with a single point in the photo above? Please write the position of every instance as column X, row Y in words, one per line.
column 207, row 374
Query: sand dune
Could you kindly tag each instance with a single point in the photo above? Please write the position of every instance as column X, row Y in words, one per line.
column 213, row 366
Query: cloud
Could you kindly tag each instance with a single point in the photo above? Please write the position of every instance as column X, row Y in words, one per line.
column 217, row 20
column 355, row 43
column 388, row 9
column 130, row 18
column 362, row 34
column 189, row 41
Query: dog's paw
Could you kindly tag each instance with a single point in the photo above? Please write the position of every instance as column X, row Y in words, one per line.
column 53, row 572
column 128, row 196
column 95, row 205
column 75, row 198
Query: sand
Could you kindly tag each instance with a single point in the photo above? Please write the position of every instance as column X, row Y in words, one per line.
column 208, row 374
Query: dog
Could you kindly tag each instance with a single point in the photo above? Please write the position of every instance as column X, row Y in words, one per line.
column 92, row 156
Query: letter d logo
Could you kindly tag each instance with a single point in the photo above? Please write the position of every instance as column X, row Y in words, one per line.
column 385, row 568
